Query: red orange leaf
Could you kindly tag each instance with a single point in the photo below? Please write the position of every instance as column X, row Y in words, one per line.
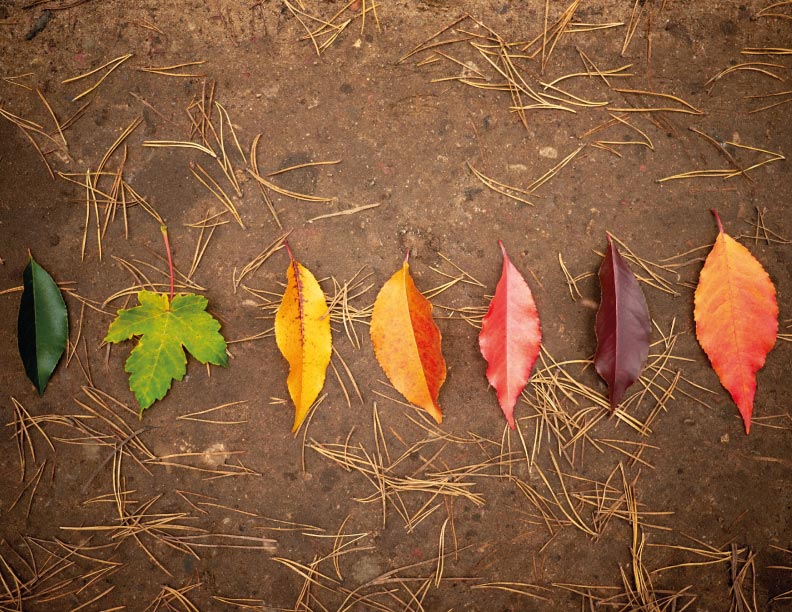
column 302, row 331
column 407, row 342
column 736, row 317
column 510, row 337
column 623, row 326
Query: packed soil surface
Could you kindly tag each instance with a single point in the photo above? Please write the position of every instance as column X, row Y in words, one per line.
column 441, row 128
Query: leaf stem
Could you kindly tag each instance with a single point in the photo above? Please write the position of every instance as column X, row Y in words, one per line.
column 164, row 230
column 288, row 250
column 717, row 219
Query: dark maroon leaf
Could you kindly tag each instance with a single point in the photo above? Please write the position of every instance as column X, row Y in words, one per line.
column 622, row 326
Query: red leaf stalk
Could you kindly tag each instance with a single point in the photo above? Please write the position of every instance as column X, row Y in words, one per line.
column 717, row 219
column 164, row 230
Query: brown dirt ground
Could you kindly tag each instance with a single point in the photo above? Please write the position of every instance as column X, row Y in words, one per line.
column 404, row 143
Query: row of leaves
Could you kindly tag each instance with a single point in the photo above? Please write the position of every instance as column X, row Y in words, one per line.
column 736, row 316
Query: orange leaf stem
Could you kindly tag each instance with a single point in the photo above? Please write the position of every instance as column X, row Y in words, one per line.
column 164, row 230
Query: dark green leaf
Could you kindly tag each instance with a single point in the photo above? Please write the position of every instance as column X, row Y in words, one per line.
column 42, row 327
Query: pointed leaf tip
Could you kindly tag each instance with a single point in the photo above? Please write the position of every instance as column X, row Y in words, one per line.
column 736, row 314
column 510, row 337
column 407, row 342
column 622, row 326
column 42, row 324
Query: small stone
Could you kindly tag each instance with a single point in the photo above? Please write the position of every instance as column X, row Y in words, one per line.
column 548, row 152
column 724, row 438
column 215, row 455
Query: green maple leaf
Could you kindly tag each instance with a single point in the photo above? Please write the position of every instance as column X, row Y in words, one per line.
column 166, row 329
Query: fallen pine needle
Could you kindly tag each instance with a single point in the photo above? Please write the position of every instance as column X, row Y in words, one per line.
column 114, row 63
column 348, row 211
column 186, row 144
column 168, row 70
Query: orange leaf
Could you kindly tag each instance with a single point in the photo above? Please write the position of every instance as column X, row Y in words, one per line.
column 736, row 318
column 407, row 342
column 302, row 331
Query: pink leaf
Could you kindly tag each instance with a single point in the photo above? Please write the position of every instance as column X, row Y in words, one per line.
column 510, row 337
column 622, row 326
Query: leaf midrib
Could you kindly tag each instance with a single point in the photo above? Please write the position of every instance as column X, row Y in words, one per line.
column 731, row 318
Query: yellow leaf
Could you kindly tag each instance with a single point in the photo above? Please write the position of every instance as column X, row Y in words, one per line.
column 407, row 342
column 302, row 331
